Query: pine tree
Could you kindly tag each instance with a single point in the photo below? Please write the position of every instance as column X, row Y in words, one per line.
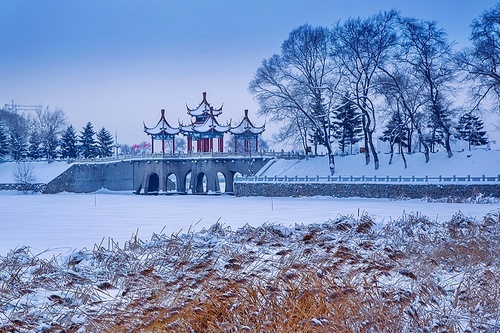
column 104, row 143
column 396, row 132
column 435, row 135
column 347, row 125
column 87, row 147
column 35, row 147
column 4, row 141
column 69, row 143
column 18, row 146
column 18, row 136
column 469, row 129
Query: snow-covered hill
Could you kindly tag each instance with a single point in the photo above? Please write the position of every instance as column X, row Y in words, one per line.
column 43, row 172
column 474, row 163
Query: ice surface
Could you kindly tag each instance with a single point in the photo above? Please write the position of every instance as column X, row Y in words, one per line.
column 66, row 221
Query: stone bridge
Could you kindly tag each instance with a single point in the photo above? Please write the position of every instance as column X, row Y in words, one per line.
column 164, row 175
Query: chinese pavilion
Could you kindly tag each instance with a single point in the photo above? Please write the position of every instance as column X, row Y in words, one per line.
column 204, row 129
column 248, row 132
column 162, row 131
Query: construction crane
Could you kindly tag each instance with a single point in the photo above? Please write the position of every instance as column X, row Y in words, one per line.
column 13, row 107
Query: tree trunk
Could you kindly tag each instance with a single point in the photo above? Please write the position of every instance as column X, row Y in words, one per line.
column 331, row 158
column 447, row 144
column 365, row 138
column 402, row 151
column 392, row 152
column 374, row 151
column 423, row 143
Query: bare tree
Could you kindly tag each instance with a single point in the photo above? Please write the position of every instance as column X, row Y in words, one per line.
column 24, row 175
column 292, row 85
column 481, row 61
column 361, row 47
column 426, row 49
column 403, row 92
column 50, row 125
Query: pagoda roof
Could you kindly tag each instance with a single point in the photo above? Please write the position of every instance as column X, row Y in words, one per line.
column 203, row 108
column 210, row 125
column 246, row 127
column 162, row 128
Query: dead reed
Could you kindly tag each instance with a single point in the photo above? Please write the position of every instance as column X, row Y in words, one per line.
column 345, row 275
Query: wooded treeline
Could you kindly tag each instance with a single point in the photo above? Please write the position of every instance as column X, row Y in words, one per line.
column 386, row 76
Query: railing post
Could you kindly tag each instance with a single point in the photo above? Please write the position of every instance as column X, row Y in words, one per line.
column 426, row 178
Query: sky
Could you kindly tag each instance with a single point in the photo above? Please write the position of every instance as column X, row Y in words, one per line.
column 117, row 63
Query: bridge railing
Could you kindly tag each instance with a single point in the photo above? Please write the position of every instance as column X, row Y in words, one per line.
column 185, row 156
column 370, row 179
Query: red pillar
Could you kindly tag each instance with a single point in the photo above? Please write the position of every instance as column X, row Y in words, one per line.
column 173, row 145
column 235, row 144
column 163, row 145
column 190, row 145
column 198, row 146
column 211, row 144
column 256, row 144
column 246, row 145
column 221, row 145
column 152, row 145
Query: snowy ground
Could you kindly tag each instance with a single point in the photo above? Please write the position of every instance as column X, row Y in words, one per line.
column 473, row 163
column 62, row 222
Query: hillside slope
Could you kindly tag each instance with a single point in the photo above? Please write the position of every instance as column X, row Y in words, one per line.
column 474, row 163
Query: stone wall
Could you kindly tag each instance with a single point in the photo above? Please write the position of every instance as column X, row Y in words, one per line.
column 90, row 177
column 365, row 190
column 38, row 187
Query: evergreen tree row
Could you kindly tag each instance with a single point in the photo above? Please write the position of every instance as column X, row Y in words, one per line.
column 88, row 144
column 46, row 136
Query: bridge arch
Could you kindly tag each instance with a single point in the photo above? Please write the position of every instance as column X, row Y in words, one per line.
column 153, row 183
column 172, row 183
column 201, row 184
column 222, row 181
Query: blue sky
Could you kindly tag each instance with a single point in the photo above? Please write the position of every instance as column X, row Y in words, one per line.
column 117, row 63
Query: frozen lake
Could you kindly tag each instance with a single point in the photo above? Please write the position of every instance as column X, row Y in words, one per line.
column 66, row 221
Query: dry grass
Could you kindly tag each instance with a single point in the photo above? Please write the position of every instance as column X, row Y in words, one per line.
column 346, row 275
